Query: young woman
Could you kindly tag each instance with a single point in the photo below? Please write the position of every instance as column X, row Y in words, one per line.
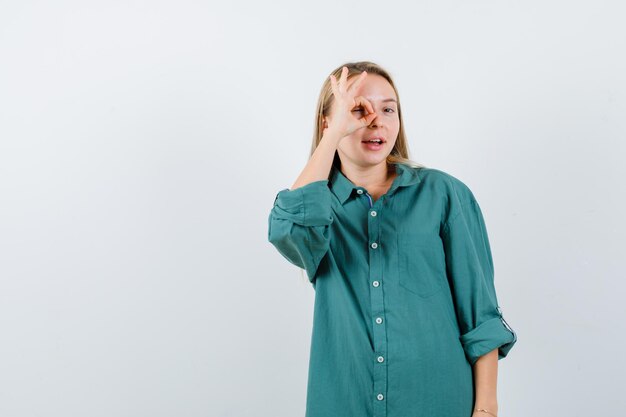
column 406, row 320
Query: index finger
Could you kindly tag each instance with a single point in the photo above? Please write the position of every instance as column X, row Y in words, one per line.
column 360, row 100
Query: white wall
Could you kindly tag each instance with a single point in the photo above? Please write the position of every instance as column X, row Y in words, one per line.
column 142, row 145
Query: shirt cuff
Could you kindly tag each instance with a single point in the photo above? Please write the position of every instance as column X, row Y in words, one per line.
column 485, row 338
column 309, row 205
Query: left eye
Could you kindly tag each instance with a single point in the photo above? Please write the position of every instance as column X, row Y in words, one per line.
column 392, row 110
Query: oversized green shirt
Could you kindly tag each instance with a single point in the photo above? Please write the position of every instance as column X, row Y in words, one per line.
column 405, row 301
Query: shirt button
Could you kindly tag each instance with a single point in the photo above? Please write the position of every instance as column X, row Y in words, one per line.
column 374, row 245
column 359, row 191
column 380, row 397
column 375, row 283
column 373, row 213
column 379, row 320
column 381, row 359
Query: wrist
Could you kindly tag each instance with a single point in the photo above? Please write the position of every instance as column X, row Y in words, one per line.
column 488, row 405
column 479, row 411
column 486, row 409
column 332, row 135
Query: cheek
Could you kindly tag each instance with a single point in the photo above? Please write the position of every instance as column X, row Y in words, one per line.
column 395, row 127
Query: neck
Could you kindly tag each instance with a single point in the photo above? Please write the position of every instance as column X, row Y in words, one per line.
column 370, row 177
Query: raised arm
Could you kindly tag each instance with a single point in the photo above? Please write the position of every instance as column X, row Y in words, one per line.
column 298, row 224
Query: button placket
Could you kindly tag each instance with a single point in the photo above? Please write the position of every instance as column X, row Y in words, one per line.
column 377, row 305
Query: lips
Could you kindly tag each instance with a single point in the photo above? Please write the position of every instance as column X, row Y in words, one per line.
column 373, row 138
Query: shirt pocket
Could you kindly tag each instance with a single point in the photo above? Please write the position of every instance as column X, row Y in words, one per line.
column 421, row 263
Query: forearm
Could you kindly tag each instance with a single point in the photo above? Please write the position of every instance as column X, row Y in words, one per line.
column 485, row 382
column 319, row 164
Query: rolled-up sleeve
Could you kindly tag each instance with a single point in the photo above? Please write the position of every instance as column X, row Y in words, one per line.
column 470, row 271
column 298, row 225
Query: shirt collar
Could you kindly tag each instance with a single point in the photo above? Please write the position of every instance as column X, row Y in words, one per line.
column 342, row 187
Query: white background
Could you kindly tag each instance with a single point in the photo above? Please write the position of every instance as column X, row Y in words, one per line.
column 142, row 144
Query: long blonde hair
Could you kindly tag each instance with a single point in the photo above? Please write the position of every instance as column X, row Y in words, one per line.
column 400, row 151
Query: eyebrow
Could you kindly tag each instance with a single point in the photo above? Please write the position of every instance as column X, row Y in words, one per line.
column 388, row 100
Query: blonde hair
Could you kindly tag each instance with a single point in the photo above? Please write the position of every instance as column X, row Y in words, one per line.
column 399, row 153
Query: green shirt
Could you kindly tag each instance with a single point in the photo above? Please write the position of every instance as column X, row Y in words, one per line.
column 405, row 301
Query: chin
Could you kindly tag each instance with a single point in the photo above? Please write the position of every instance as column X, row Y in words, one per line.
column 375, row 160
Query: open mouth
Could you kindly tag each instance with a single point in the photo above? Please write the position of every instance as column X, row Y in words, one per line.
column 373, row 144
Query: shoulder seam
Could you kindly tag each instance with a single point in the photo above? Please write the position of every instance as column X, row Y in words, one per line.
column 446, row 226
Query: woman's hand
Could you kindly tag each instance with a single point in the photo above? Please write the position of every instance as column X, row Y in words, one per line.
column 344, row 119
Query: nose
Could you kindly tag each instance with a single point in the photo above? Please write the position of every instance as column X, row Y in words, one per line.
column 376, row 121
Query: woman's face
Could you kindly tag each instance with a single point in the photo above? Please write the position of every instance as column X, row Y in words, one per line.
column 386, row 124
